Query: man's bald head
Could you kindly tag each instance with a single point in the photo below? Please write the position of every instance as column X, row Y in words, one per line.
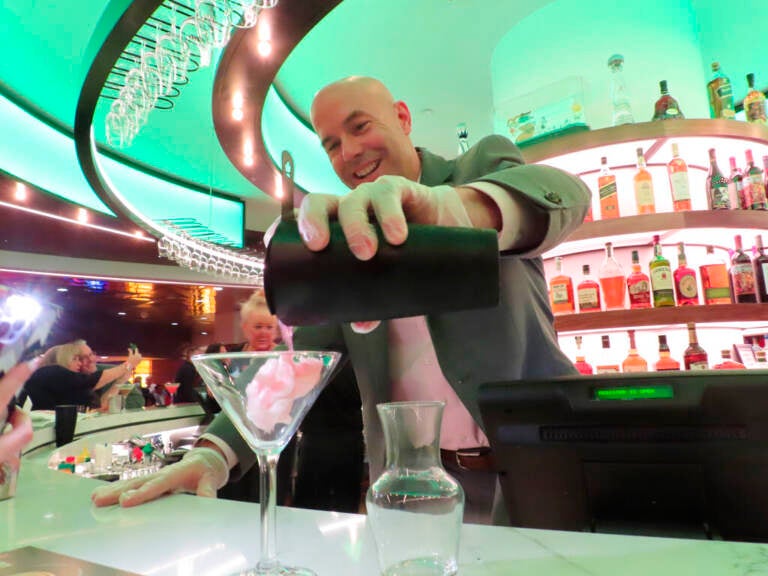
column 364, row 131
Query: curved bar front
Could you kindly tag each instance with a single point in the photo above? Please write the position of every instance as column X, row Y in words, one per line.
column 183, row 535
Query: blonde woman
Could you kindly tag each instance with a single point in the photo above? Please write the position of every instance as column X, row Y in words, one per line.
column 63, row 383
column 258, row 324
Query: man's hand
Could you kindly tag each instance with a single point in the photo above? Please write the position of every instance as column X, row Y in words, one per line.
column 202, row 471
column 393, row 199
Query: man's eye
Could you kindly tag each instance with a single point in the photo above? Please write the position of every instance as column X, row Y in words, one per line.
column 362, row 126
column 331, row 147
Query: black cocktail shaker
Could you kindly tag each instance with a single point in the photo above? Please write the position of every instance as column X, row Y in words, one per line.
column 438, row 269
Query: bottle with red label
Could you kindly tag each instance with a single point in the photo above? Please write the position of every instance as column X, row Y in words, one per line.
column 665, row 363
column 686, row 286
column 588, row 292
column 638, row 285
column 581, row 363
column 760, row 264
column 695, row 357
column 742, row 275
column 726, row 363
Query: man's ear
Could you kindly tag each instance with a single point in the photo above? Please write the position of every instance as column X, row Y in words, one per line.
column 403, row 116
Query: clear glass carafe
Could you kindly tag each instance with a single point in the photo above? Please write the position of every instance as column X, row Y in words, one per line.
column 415, row 507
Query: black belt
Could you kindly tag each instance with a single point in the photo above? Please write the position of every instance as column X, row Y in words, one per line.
column 476, row 459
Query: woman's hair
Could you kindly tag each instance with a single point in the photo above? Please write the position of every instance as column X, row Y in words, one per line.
column 65, row 353
column 254, row 303
column 49, row 356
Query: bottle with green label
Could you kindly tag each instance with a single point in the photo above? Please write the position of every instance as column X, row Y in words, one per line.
column 662, row 288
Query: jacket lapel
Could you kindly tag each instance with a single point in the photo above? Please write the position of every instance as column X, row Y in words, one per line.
column 434, row 169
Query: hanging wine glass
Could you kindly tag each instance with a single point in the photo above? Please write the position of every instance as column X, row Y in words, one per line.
column 198, row 37
column 214, row 15
column 266, row 396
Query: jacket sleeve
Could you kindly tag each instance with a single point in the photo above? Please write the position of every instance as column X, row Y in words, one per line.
column 562, row 198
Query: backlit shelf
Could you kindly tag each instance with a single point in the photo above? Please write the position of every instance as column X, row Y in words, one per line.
column 741, row 315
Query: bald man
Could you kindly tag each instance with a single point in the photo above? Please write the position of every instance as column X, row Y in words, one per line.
column 366, row 135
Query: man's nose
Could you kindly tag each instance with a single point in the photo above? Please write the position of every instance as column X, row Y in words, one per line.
column 350, row 148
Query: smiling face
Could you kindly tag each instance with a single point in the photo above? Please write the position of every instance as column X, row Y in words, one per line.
column 364, row 131
column 258, row 327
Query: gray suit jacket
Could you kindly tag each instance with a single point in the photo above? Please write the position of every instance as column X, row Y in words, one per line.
column 514, row 340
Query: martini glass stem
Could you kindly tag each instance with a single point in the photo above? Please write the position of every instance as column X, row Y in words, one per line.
column 268, row 500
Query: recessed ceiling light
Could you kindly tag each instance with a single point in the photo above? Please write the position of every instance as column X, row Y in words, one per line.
column 218, row 288
column 204, row 333
column 82, row 215
column 62, row 290
column 203, row 317
column 264, row 48
column 21, row 192
column 121, row 313
column 174, row 323
column 237, row 114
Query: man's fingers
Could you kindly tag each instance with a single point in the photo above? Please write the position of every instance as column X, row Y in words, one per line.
column 353, row 217
column 314, row 213
column 387, row 205
column 365, row 327
column 152, row 489
column 108, row 495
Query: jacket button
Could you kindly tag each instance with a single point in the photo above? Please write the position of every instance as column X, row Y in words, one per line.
column 553, row 197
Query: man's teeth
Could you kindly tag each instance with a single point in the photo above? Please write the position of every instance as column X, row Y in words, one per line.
column 367, row 170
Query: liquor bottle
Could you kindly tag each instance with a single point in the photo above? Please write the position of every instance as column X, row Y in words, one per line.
column 643, row 187
column 606, row 184
column 610, row 366
column 720, row 94
column 588, row 292
column 633, row 362
column 695, row 357
column 581, row 363
column 666, row 107
column 638, row 285
column 679, row 185
column 686, row 287
column 714, row 279
column 760, row 263
column 561, row 290
column 754, row 187
column 765, row 173
column 661, row 278
column 462, row 133
column 665, row 361
column 726, row 363
column 612, row 280
column 736, row 191
column 717, row 185
column 622, row 111
column 742, row 275
column 754, row 103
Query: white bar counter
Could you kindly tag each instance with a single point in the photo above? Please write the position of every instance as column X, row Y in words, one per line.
column 183, row 535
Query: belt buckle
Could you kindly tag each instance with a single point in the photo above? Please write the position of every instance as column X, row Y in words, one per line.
column 467, row 453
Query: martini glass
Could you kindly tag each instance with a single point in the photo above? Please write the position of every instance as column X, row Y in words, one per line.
column 172, row 388
column 266, row 396
column 124, row 389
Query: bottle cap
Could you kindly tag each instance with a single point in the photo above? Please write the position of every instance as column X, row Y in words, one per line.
column 603, row 160
column 663, row 86
column 751, row 79
column 715, row 66
column 635, row 257
column 615, row 60
column 606, row 341
column 585, row 269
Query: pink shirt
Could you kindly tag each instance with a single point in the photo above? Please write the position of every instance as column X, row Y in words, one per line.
column 416, row 375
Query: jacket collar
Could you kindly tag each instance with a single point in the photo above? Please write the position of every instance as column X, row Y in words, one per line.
column 435, row 170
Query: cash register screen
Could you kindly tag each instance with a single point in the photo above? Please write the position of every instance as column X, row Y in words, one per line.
column 681, row 454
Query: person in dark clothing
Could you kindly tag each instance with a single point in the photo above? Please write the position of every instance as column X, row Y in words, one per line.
column 63, row 383
column 187, row 377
